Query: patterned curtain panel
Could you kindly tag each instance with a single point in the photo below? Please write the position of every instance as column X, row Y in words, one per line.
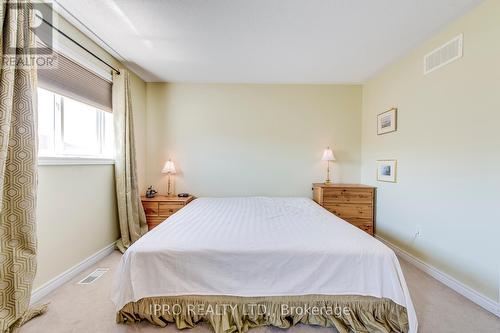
column 18, row 167
column 130, row 213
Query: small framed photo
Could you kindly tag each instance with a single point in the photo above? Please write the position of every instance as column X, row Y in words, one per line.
column 386, row 171
column 387, row 121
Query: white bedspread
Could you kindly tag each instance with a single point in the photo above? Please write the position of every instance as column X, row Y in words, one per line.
column 259, row 246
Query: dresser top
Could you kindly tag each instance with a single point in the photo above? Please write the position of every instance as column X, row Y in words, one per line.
column 167, row 198
column 342, row 185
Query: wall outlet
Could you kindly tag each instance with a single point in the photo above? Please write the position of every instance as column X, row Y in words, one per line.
column 418, row 231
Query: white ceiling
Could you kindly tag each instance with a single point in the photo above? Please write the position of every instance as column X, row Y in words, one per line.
column 260, row 41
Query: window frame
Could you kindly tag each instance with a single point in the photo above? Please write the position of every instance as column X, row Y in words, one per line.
column 61, row 158
column 73, row 160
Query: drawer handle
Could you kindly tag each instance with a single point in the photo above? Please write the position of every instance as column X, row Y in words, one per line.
column 171, row 210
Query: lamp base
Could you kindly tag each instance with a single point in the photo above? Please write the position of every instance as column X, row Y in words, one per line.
column 328, row 181
column 170, row 192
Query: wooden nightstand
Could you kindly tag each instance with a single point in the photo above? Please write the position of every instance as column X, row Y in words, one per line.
column 353, row 203
column 160, row 207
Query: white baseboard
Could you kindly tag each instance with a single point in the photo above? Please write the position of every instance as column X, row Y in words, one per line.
column 481, row 300
column 69, row 274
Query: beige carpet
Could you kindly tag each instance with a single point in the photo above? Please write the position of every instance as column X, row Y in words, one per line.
column 87, row 308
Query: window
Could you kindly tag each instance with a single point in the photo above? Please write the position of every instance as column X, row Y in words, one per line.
column 69, row 128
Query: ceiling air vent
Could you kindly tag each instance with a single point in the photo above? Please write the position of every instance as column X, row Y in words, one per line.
column 444, row 54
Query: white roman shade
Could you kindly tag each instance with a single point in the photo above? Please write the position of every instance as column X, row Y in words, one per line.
column 73, row 80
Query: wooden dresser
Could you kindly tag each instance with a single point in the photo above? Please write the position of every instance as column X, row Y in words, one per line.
column 354, row 203
column 160, row 207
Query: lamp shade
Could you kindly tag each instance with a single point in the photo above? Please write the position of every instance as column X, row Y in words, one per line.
column 328, row 155
column 169, row 167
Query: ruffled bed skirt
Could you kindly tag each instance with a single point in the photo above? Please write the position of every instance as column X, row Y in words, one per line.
column 228, row 314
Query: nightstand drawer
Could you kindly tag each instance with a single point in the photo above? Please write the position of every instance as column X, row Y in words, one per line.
column 168, row 208
column 160, row 207
column 154, row 221
column 339, row 195
column 150, row 208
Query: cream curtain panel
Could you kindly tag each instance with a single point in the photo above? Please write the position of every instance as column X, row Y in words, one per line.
column 131, row 216
column 18, row 169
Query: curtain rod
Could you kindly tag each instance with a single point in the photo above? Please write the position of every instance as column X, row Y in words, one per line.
column 78, row 44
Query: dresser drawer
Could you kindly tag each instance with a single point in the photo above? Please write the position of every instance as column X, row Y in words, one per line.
column 340, row 195
column 354, row 203
column 168, row 208
column 150, row 208
column 359, row 220
column 365, row 227
column 351, row 211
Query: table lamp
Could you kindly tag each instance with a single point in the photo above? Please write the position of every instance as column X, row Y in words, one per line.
column 169, row 169
column 328, row 156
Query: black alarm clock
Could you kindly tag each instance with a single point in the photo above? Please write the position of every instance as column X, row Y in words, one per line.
column 183, row 195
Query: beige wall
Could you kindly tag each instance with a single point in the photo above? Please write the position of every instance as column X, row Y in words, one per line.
column 76, row 212
column 76, row 216
column 448, row 151
column 230, row 140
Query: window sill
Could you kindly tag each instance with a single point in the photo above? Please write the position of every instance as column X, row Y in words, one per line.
column 67, row 160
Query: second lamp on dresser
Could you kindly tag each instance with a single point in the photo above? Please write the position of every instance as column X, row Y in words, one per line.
column 353, row 203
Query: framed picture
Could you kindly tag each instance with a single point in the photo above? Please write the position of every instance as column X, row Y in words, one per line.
column 386, row 171
column 387, row 121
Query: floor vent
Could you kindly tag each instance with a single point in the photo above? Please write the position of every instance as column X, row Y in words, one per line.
column 444, row 54
column 92, row 277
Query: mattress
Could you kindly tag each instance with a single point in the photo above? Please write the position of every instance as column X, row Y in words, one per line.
column 255, row 247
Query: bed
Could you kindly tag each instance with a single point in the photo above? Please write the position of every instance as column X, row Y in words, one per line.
column 239, row 263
